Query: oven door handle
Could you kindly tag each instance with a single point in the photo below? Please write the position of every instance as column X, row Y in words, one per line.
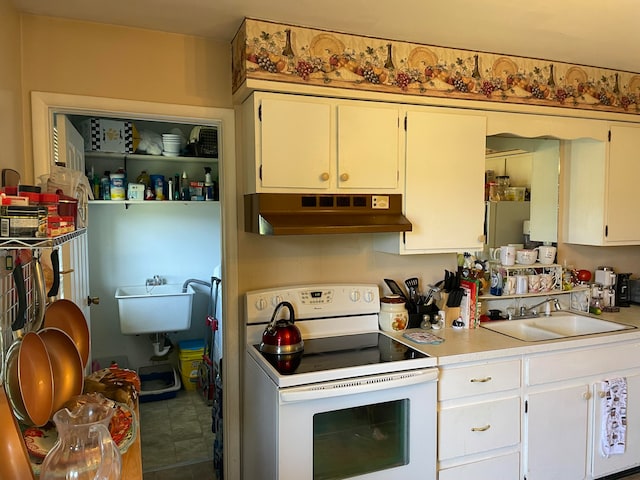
column 351, row 386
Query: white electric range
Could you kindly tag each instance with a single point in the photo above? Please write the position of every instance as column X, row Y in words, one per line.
column 355, row 404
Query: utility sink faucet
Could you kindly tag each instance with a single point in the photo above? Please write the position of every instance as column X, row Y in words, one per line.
column 530, row 312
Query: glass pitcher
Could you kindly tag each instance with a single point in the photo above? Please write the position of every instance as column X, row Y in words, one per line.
column 84, row 449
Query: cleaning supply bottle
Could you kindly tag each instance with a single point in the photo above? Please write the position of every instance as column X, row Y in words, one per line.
column 186, row 193
column 208, row 184
column 144, row 178
column 176, row 187
column 105, row 186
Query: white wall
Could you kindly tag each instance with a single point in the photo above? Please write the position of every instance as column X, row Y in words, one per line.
column 127, row 246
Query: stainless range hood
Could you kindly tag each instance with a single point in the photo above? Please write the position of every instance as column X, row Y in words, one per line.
column 310, row 214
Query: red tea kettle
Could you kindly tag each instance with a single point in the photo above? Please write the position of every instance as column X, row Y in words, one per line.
column 282, row 336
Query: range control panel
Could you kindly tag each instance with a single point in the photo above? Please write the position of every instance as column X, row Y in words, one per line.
column 314, row 301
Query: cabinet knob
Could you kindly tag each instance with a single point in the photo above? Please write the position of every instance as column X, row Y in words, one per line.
column 344, row 177
column 324, row 176
column 586, row 395
column 602, row 394
column 93, row 301
column 481, row 429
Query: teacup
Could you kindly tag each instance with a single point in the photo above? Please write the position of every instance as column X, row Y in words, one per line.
column 546, row 254
column 526, row 257
column 548, row 282
column 506, row 254
column 534, row 283
column 522, row 284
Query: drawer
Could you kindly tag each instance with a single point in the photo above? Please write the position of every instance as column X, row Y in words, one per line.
column 503, row 467
column 478, row 427
column 478, row 379
column 582, row 363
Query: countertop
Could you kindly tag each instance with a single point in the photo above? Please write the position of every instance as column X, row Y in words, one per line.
column 469, row 345
column 132, row 458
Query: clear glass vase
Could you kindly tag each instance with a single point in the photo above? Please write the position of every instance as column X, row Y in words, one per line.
column 84, row 449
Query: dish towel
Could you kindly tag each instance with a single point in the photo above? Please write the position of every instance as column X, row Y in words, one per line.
column 614, row 416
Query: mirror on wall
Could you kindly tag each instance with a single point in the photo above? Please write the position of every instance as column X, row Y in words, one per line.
column 527, row 210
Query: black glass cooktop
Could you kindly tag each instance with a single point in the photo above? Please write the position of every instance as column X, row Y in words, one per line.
column 345, row 351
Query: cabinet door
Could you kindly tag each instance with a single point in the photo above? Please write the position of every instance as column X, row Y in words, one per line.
column 502, row 467
column 295, row 138
column 623, row 221
column 556, row 444
column 444, row 194
column 368, row 141
column 631, row 457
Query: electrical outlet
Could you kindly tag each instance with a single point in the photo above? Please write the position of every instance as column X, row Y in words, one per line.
column 380, row 202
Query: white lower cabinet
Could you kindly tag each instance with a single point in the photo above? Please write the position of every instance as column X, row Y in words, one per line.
column 536, row 417
column 631, row 457
column 556, row 423
column 563, row 413
column 493, row 468
column 479, row 414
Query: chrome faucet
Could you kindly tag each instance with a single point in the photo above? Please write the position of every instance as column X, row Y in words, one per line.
column 530, row 312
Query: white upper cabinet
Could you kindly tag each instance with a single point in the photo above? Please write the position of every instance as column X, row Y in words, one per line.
column 295, row 143
column 601, row 189
column 298, row 143
column 444, row 183
column 368, row 146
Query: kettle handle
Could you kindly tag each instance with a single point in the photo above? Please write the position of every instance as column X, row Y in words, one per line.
column 271, row 328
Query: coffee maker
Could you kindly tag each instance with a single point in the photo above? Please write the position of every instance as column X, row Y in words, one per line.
column 623, row 293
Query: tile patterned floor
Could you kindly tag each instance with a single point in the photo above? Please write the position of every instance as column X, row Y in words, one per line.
column 176, row 438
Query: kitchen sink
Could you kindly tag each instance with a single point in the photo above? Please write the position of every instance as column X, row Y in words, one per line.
column 558, row 325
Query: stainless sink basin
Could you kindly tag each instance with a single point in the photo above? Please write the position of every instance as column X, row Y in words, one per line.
column 558, row 325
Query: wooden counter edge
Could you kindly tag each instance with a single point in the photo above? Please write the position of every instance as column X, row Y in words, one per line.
column 132, row 458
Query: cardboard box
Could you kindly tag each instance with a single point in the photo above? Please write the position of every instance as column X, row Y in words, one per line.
column 107, row 135
column 23, row 221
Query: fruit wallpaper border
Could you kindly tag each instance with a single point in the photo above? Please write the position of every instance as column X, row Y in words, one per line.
column 285, row 53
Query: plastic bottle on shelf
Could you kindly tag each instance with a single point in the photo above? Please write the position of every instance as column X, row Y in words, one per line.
column 208, row 184
column 105, row 186
column 144, row 178
column 176, row 187
column 186, row 193
column 118, row 185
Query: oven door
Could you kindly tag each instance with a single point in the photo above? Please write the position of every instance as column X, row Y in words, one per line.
column 376, row 427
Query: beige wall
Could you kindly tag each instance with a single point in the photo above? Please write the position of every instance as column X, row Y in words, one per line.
column 12, row 155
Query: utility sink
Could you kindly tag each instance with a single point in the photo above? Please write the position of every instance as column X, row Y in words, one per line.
column 153, row 309
column 558, row 325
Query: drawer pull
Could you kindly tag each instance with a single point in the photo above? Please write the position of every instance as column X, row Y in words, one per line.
column 480, row 380
column 480, row 429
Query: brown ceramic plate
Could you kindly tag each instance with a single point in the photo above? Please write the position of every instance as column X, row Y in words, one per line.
column 67, row 316
column 66, row 365
column 36, row 378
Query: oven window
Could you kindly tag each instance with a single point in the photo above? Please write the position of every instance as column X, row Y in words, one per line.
column 359, row 440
